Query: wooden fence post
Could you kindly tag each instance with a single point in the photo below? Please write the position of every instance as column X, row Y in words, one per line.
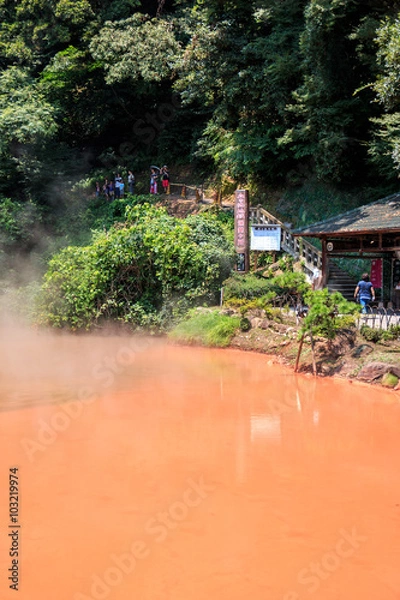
column 255, row 260
column 299, row 352
column 314, row 366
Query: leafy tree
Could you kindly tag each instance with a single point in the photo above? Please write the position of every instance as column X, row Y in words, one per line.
column 144, row 273
column 73, row 83
column 51, row 87
column 136, row 47
column 258, row 91
column 243, row 67
column 327, row 313
column 384, row 148
column 18, row 223
column 387, row 85
column 30, row 31
column 329, row 117
column 26, row 120
column 25, row 116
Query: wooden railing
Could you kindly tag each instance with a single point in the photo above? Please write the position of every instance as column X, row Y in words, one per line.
column 298, row 247
column 184, row 190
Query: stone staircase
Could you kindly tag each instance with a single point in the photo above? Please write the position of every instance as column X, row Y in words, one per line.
column 340, row 281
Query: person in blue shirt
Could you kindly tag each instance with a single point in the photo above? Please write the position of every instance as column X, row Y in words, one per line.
column 117, row 186
column 364, row 291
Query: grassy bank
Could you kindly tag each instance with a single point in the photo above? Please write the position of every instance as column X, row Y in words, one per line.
column 349, row 355
column 206, row 328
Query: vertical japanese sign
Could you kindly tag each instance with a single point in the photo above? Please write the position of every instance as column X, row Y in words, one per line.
column 242, row 229
column 377, row 273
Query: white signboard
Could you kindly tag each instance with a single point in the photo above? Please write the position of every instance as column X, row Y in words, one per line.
column 265, row 237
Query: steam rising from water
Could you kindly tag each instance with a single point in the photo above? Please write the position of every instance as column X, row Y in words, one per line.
column 39, row 366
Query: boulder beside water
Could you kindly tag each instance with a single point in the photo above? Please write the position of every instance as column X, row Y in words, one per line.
column 376, row 370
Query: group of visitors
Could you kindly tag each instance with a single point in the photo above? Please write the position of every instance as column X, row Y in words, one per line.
column 155, row 175
column 115, row 188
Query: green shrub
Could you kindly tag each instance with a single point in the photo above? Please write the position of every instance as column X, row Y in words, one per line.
column 392, row 333
column 263, row 302
column 274, row 314
column 79, row 216
column 290, row 284
column 378, row 335
column 245, row 324
column 314, row 201
column 206, row 328
column 390, row 380
column 18, row 222
column 237, row 303
column 280, row 289
column 104, row 213
column 370, row 334
column 245, row 287
column 328, row 313
column 147, row 272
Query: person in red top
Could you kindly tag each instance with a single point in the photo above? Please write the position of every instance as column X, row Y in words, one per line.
column 165, row 178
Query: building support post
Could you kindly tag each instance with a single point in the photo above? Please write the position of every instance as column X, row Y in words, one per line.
column 324, row 265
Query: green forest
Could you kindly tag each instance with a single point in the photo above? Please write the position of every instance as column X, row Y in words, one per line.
column 299, row 98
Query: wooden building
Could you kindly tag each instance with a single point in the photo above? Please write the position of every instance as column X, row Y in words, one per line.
column 370, row 231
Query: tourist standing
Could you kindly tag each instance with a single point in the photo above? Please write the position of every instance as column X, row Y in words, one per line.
column 165, row 178
column 117, row 185
column 131, row 182
column 316, row 280
column 364, row 291
column 153, row 181
column 111, row 190
column 106, row 189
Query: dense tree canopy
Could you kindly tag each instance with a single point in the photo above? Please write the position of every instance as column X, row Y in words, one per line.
column 260, row 90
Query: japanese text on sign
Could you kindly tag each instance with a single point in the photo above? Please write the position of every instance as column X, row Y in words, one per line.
column 241, row 220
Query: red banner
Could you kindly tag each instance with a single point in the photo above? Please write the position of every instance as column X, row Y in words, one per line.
column 376, row 273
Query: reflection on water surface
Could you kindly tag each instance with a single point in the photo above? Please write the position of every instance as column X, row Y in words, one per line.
column 150, row 471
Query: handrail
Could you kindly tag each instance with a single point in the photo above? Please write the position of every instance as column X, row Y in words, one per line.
column 198, row 190
column 298, row 247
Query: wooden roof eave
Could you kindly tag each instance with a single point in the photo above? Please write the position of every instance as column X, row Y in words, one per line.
column 337, row 234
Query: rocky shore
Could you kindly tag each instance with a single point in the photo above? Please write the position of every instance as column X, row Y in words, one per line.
column 348, row 356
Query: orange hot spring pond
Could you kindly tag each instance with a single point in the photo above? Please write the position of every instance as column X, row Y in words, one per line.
column 154, row 472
